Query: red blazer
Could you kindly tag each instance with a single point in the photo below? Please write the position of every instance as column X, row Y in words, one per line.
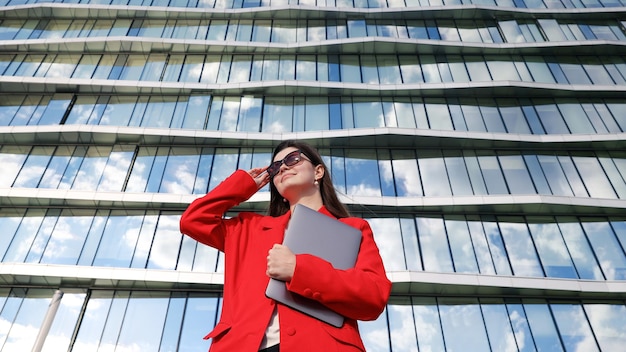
column 360, row 293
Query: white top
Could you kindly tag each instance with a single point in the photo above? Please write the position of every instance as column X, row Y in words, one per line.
column 272, row 332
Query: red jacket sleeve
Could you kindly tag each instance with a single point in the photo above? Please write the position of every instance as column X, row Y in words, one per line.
column 203, row 219
column 360, row 293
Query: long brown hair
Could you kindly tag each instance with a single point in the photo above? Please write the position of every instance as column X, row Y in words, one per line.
column 329, row 194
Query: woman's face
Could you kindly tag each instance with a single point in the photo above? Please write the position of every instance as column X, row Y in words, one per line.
column 296, row 179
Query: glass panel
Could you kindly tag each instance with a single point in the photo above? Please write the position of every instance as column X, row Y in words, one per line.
column 65, row 319
column 143, row 321
column 462, row 325
column 459, row 178
column 192, row 69
column 481, row 247
column 410, row 69
column 615, row 178
column 477, row 68
column 472, row 116
column 196, row 112
column 575, row 73
column 371, row 331
column 574, row 327
column 551, row 118
column 555, row 175
column 362, row 175
column 91, row 168
column 30, row 314
column 200, row 313
column 434, row 245
column 180, row 170
column 491, row 115
column 606, row 321
column 539, row 69
column 402, row 333
column 520, row 249
column 579, row 249
column 405, row 173
column 553, row 253
column 498, row 325
column 116, row 169
column 173, row 319
column 404, row 114
column 24, row 236
column 516, row 174
column 410, row 244
column 133, row 67
column 144, row 241
column 154, row 66
column 224, row 164
column 306, row 68
column 68, row 237
column 55, row 110
column 34, row 167
column 434, row 174
column 277, row 114
column 388, row 69
column 594, row 177
column 173, row 68
column 240, row 69
column 387, row 235
column 428, row 324
column 573, row 176
column 86, row 66
column 119, row 239
column 119, row 111
column 541, row 323
column 141, row 169
column 475, row 174
column 90, row 332
column 521, row 330
column 367, row 113
column 492, row 173
column 463, row 256
column 166, row 243
column 438, row 115
column 607, row 249
column 316, row 114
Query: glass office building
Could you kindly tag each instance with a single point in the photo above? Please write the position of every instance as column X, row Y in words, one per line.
column 482, row 139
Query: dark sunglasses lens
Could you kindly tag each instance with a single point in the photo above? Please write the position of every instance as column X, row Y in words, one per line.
column 272, row 170
column 292, row 159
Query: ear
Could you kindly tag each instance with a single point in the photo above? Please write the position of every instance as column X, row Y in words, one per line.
column 319, row 172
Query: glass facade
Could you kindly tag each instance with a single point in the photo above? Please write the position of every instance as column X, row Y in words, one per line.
column 484, row 141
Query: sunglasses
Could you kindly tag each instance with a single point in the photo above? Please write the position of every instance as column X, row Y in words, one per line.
column 290, row 159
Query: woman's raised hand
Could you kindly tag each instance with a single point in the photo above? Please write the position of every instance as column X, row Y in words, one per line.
column 260, row 176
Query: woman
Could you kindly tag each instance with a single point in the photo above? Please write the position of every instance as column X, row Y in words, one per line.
column 253, row 254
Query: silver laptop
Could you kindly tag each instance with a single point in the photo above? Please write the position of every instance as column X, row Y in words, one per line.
column 318, row 234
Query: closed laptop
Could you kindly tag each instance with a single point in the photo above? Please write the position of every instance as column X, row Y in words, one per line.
column 318, row 234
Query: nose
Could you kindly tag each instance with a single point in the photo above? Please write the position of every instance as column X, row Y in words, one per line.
column 282, row 167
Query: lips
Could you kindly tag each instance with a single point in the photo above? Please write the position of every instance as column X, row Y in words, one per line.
column 282, row 178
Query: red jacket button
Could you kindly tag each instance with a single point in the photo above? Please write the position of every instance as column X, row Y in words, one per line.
column 308, row 292
column 291, row 331
column 317, row 296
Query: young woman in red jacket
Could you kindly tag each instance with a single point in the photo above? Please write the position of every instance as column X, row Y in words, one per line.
column 253, row 254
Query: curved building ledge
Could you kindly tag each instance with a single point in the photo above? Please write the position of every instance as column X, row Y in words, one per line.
column 455, row 284
column 515, row 89
column 347, row 138
column 404, row 282
column 361, row 45
column 61, row 10
column 380, row 206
